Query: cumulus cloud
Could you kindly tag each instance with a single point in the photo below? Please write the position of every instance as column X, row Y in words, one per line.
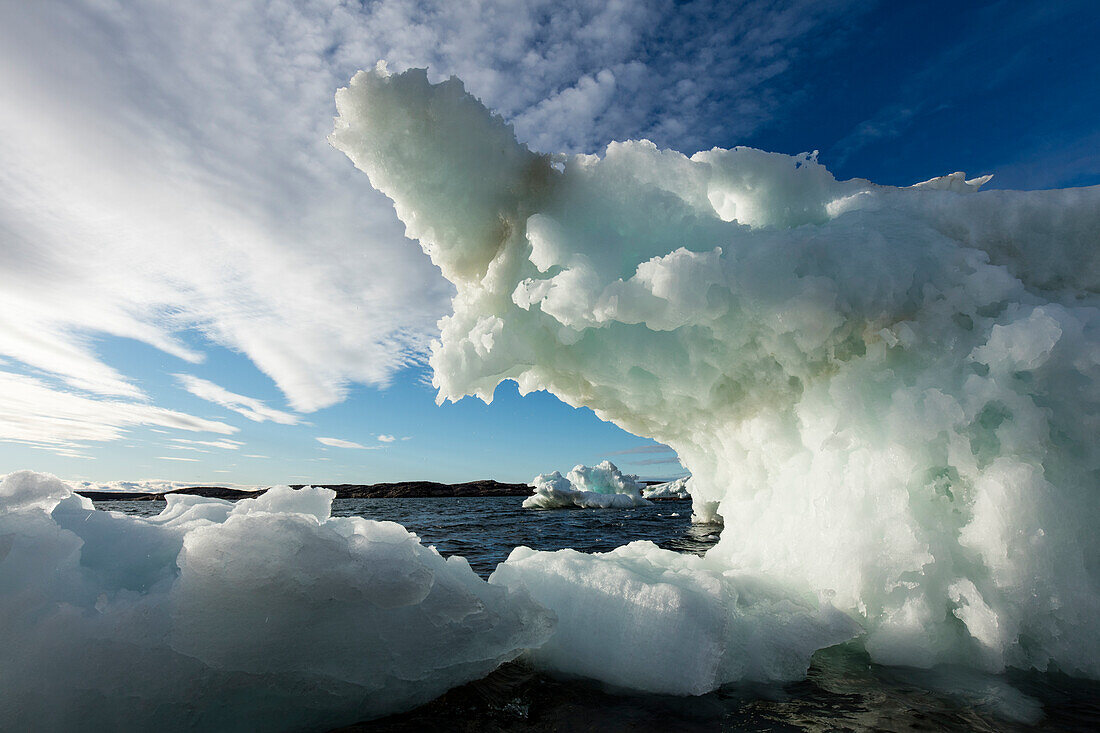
column 147, row 486
column 250, row 407
column 386, row 438
column 34, row 413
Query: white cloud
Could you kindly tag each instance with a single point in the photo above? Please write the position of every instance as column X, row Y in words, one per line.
column 147, row 486
column 33, row 413
column 386, row 438
column 552, row 123
column 225, row 443
column 61, row 450
column 177, row 458
column 340, row 443
column 250, row 407
column 182, row 180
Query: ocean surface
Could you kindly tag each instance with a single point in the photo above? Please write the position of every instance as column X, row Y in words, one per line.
column 485, row 529
column 843, row 690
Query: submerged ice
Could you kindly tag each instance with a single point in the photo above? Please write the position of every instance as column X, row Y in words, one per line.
column 267, row 614
column 602, row 486
column 889, row 395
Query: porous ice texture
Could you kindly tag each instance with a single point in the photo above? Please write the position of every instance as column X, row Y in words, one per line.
column 602, row 486
column 890, row 395
column 649, row 619
column 677, row 489
column 267, row 614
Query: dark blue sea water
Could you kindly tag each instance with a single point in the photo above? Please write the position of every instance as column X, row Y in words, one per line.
column 844, row 690
column 485, row 529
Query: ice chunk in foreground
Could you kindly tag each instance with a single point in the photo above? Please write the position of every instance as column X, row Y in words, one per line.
column 677, row 489
column 602, row 486
column 890, row 395
column 660, row 621
column 267, row 614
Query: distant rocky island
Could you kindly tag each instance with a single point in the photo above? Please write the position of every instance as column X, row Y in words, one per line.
column 398, row 490
column 401, row 489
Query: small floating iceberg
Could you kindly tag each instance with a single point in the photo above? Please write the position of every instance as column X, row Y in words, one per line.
column 602, row 486
column 670, row 490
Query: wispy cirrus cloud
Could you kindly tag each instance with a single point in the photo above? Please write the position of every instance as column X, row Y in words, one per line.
column 250, row 407
column 642, row 449
column 341, row 443
column 657, row 461
column 34, row 413
column 627, row 456
column 224, row 444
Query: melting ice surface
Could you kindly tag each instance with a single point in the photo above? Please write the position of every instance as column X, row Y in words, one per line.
column 890, row 396
column 602, row 486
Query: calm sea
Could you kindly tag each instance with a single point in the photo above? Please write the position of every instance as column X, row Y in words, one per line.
column 843, row 691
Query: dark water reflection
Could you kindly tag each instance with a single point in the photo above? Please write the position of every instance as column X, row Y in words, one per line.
column 843, row 691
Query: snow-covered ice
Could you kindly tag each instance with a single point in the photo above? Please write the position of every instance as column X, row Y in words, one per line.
column 889, row 395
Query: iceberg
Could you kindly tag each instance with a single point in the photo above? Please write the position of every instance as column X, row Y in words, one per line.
column 602, row 486
column 267, row 614
column 677, row 489
column 889, row 395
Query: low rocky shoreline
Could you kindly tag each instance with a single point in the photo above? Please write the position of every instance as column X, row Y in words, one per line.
column 401, row 489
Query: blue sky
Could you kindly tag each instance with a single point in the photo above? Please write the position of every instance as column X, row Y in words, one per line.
column 197, row 288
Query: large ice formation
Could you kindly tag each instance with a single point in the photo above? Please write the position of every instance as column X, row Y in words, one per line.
column 264, row 615
column 889, row 395
column 602, row 486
